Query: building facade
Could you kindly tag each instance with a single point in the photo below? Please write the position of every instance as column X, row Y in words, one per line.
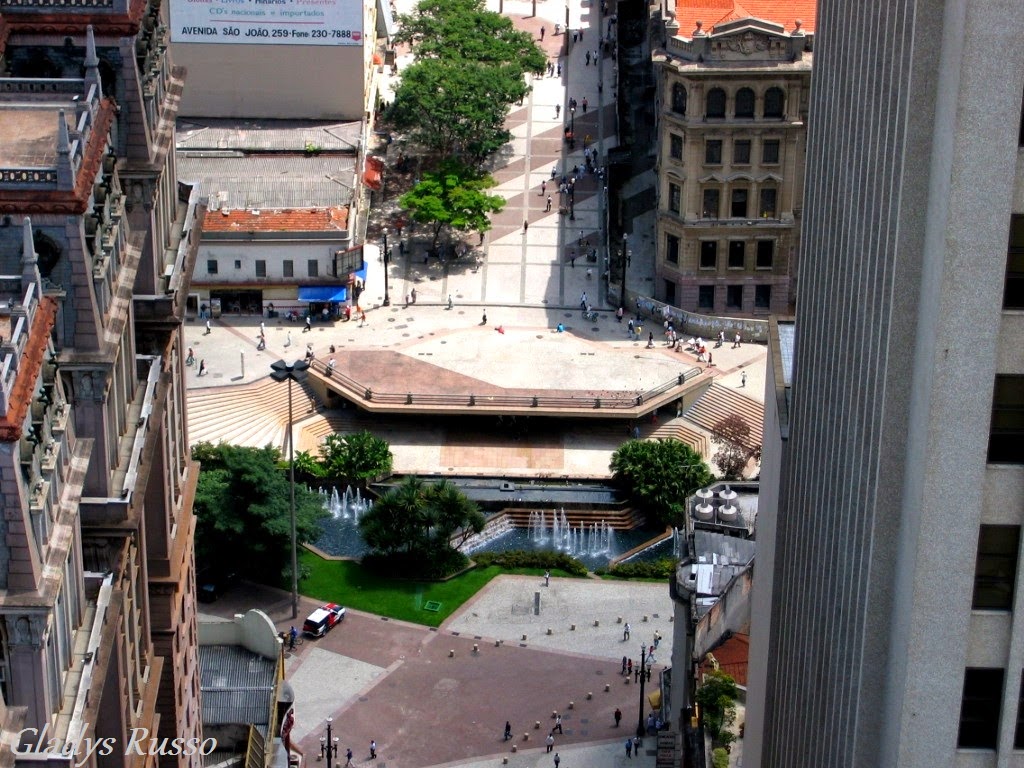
column 731, row 147
column 97, row 246
column 890, row 627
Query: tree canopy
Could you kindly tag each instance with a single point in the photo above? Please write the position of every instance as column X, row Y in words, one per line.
column 717, row 695
column 356, row 459
column 454, row 197
column 417, row 521
column 732, row 434
column 659, row 475
column 243, row 513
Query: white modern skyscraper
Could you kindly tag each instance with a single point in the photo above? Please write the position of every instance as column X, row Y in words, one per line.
column 888, row 623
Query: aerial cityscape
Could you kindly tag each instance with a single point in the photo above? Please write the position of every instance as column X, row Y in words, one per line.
column 497, row 383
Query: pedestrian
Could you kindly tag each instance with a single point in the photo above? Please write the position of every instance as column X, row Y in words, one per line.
column 543, row 187
column 548, row 207
column 542, row 31
column 209, row 330
column 629, row 668
column 587, row 64
column 309, row 324
column 650, row 340
column 288, row 340
column 558, row 111
column 407, row 299
column 624, row 660
column 736, row 342
column 557, row 760
column 373, row 750
column 743, row 379
column 508, row 730
column 559, row 69
column 629, row 328
column 261, row 342
column 450, row 301
column 547, row 578
column 362, row 318
column 293, row 633
column 648, row 674
column 625, row 632
column 618, row 716
column 583, row 300
column 550, row 741
column 558, row 725
column 581, row 35
column 484, row 320
column 348, row 757
column 572, row 258
column 526, row 225
column 657, row 638
column 575, row 35
column 191, row 358
column 636, row 745
column 709, row 360
column 202, row 367
column 629, row 748
column 412, row 294
column 595, row 58
column 584, row 105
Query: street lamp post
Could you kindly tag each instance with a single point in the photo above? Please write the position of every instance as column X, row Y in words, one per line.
column 643, row 679
column 296, row 371
column 625, row 259
column 329, row 745
column 387, row 259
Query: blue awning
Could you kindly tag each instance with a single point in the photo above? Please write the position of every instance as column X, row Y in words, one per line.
column 323, row 293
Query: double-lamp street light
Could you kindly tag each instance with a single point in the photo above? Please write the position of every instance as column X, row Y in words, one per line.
column 386, row 257
column 296, row 371
column 643, row 679
column 329, row 745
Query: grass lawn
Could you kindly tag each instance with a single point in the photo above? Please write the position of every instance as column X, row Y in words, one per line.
column 347, row 583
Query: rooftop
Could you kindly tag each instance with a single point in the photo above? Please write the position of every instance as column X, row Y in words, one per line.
column 268, row 135
column 30, row 134
column 277, row 220
column 238, row 685
column 712, row 12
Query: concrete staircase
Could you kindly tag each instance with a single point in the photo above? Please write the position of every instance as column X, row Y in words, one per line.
column 624, row 519
column 678, row 429
column 720, row 401
column 253, row 414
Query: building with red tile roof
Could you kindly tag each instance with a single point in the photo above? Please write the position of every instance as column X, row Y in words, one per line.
column 735, row 83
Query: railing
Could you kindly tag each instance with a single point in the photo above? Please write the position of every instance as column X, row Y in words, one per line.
column 708, row 326
column 613, row 401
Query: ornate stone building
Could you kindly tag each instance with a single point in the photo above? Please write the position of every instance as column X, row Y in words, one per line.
column 97, row 247
column 731, row 141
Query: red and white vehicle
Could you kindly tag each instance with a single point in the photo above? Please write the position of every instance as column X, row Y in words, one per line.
column 323, row 619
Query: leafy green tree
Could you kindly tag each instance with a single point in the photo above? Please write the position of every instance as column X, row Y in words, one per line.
column 717, row 695
column 659, row 475
column 308, row 468
column 243, row 511
column 355, row 459
column 419, row 520
column 453, row 197
column 465, row 30
column 456, row 108
column 732, row 434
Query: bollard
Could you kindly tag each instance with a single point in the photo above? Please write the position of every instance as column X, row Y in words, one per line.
column 526, row 737
column 451, row 654
column 627, row 679
column 589, row 695
column 597, row 623
column 515, row 748
column 476, row 648
column 497, row 643
column 618, row 620
column 524, row 638
column 645, row 617
column 554, row 715
column 671, row 617
column 536, row 725
column 572, row 704
column 607, row 687
column 504, row 760
column 549, row 631
column 572, row 627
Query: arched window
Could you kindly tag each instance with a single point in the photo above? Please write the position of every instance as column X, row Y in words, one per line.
column 678, row 99
column 774, row 99
column 744, row 103
column 716, row 103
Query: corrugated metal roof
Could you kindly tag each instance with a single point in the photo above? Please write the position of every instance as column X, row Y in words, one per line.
column 269, row 135
column 270, row 181
column 237, row 685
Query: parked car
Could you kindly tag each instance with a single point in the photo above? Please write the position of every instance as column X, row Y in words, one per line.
column 323, row 619
column 211, row 583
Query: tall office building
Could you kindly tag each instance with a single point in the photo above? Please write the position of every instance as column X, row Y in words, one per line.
column 97, row 246
column 888, row 622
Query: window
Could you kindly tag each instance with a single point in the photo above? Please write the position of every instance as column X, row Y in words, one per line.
column 1006, row 435
column 734, row 297
column 768, row 197
column 741, row 152
column 712, row 203
column 288, row 268
column 738, row 208
column 715, row 103
column 678, row 98
column 261, row 268
column 713, row 152
column 672, row 249
column 765, row 254
column 744, row 103
column 708, row 254
column 675, row 146
column 995, row 570
column 762, row 297
column 770, row 152
column 737, row 254
column 773, row 103
column 670, row 292
column 674, row 197
column 706, row 297
column 313, row 268
column 238, row 263
column 211, row 267
column 980, row 708
column 1013, row 293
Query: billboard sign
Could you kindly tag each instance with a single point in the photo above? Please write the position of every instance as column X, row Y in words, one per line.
column 276, row 22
